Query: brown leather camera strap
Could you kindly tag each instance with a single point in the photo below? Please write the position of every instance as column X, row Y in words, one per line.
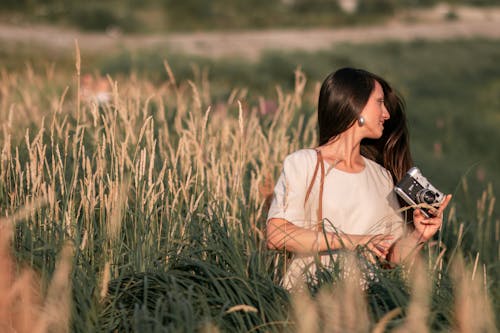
column 319, row 165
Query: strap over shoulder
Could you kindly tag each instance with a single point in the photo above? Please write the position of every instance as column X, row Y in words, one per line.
column 319, row 166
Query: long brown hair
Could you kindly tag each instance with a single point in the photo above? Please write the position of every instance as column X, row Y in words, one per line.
column 343, row 95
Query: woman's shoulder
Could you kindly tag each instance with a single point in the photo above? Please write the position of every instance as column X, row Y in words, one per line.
column 378, row 169
column 302, row 156
column 300, row 162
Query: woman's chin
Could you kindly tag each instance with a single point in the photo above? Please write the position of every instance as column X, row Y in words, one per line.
column 375, row 135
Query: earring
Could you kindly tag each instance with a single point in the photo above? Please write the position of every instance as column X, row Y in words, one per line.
column 361, row 121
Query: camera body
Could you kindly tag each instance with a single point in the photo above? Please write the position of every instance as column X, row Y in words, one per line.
column 415, row 189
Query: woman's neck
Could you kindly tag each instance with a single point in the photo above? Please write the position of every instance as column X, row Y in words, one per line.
column 344, row 152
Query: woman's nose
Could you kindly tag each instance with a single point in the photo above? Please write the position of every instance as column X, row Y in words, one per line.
column 385, row 113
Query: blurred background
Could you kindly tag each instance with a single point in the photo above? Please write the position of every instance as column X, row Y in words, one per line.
column 148, row 16
column 441, row 55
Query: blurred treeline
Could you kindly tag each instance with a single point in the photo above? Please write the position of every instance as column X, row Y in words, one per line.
column 173, row 15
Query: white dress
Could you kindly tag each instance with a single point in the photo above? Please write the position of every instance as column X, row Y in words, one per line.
column 361, row 203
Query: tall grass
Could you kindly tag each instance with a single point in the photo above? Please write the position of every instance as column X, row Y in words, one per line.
column 162, row 197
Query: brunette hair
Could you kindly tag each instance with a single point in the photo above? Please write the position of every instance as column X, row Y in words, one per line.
column 343, row 95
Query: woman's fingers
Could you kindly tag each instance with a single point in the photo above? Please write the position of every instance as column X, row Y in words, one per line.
column 418, row 215
column 373, row 250
column 380, row 251
column 380, row 245
column 430, row 221
column 444, row 204
column 376, row 245
column 428, row 226
column 437, row 214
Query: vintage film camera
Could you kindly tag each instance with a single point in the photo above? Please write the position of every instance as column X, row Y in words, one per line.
column 415, row 189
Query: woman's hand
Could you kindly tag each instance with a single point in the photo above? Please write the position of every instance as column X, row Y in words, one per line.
column 378, row 245
column 426, row 227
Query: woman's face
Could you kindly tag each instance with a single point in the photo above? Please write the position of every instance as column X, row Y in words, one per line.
column 375, row 113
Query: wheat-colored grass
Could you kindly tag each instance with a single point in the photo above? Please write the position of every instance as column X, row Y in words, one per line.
column 125, row 180
column 23, row 308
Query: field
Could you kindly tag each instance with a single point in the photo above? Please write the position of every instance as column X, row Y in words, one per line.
column 146, row 212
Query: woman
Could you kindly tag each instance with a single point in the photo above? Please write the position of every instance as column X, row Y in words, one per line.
column 340, row 195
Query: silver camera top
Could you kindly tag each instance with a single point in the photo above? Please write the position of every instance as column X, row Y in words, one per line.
column 416, row 190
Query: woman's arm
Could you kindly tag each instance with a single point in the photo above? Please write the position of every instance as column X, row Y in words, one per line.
column 282, row 234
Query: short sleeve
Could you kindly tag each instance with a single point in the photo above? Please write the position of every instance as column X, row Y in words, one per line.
column 289, row 192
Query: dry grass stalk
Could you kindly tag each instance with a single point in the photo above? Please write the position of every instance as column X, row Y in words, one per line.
column 115, row 204
column 209, row 328
column 337, row 310
column 300, row 84
column 305, row 312
column 20, row 301
column 418, row 310
column 380, row 327
column 78, row 72
column 106, row 277
column 473, row 311
column 22, row 309
column 344, row 309
column 56, row 312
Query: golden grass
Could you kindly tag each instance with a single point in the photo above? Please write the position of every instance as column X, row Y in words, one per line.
column 23, row 309
column 166, row 151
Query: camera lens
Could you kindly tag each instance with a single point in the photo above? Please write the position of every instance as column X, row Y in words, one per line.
column 427, row 196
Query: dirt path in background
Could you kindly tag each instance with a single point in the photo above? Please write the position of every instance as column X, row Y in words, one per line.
column 427, row 25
